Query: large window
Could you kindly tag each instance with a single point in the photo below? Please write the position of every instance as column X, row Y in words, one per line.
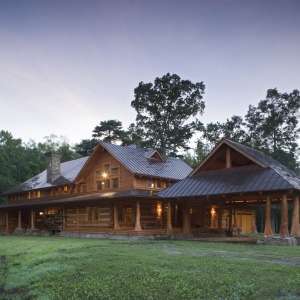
column 107, row 178
column 92, row 213
column 125, row 214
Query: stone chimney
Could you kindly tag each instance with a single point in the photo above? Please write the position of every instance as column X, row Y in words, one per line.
column 53, row 166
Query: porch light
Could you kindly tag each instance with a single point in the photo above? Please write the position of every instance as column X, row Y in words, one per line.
column 104, row 175
column 159, row 210
column 213, row 212
column 41, row 213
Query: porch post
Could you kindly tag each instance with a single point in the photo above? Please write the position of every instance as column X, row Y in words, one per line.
column 295, row 218
column 268, row 228
column 19, row 220
column 284, row 232
column 137, row 226
column 32, row 219
column 186, row 218
column 116, row 221
column 169, row 221
column 230, row 218
column 220, row 218
column 6, row 222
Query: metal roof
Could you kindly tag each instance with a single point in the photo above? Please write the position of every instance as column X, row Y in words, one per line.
column 252, row 178
column 69, row 171
column 283, row 171
column 228, row 181
column 135, row 159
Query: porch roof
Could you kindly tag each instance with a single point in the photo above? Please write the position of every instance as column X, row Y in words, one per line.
column 245, row 179
column 69, row 199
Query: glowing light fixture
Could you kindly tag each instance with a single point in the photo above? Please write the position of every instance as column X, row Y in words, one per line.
column 213, row 212
column 159, row 209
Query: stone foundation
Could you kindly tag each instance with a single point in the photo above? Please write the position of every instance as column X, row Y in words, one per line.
column 277, row 241
column 35, row 232
column 180, row 236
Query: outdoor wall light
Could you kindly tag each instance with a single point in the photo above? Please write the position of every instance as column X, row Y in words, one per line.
column 159, row 210
column 213, row 212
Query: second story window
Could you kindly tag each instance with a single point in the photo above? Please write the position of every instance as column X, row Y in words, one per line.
column 107, row 178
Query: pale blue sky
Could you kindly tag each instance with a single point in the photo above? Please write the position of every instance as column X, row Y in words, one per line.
column 67, row 65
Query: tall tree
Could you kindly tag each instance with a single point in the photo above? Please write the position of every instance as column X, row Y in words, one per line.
column 163, row 110
column 273, row 124
column 86, row 147
column 109, row 131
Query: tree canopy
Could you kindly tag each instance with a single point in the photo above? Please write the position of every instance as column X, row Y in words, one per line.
column 163, row 110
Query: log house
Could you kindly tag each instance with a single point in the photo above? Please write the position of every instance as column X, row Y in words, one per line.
column 135, row 191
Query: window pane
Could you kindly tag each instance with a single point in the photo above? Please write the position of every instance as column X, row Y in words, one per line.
column 107, row 184
column 99, row 185
column 115, row 171
column 98, row 174
column 106, row 169
column 115, row 183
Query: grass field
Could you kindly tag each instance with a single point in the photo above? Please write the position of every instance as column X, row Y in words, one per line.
column 73, row 268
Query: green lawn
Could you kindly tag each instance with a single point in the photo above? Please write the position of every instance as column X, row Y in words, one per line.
column 73, row 268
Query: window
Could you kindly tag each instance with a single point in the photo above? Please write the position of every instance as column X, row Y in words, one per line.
column 106, row 169
column 125, row 213
column 92, row 214
column 99, row 185
column 65, row 189
column 107, row 184
column 115, row 183
column 108, row 178
column 115, row 171
column 150, row 184
column 158, row 184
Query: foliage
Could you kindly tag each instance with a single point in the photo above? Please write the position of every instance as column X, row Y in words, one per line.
column 163, row 109
column 60, row 268
column 109, row 131
column 86, row 147
column 200, row 153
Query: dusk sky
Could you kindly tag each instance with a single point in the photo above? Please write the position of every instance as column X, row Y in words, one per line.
column 67, row 65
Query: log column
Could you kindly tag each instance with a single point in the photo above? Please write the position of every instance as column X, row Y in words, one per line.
column 19, row 220
column 186, row 218
column 32, row 219
column 6, row 223
column 295, row 218
column 220, row 218
column 137, row 226
column 284, row 217
column 169, row 220
column 116, row 220
column 268, row 227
